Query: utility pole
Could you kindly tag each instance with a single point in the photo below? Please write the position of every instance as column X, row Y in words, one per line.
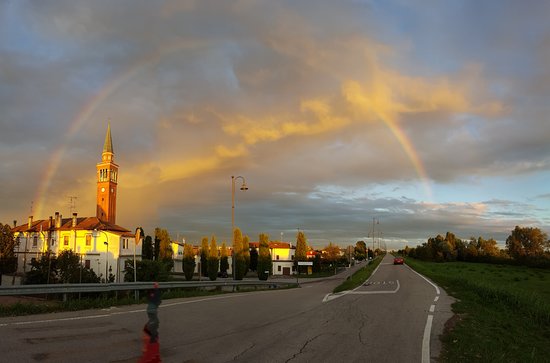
column 372, row 237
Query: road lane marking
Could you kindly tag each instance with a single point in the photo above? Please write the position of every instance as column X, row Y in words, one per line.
column 329, row 297
column 431, row 283
column 426, row 340
column 436, row 298
column 122, row 312
column 432, row 308
column 376, row 292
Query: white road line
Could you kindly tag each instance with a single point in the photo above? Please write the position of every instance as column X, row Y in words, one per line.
column 436, row 298
column 163, row 306
column 426, row 340
column 376, row 292
column 432, row 308
column 431, row 283
column 329, row 297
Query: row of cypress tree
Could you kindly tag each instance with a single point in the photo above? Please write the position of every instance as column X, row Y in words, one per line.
column 211, row 262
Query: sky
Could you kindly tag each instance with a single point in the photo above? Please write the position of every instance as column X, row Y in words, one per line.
column 423, row 116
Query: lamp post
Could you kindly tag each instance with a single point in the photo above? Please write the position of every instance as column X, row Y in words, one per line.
column 243, row 187
column 107, row 253
column 106, row 262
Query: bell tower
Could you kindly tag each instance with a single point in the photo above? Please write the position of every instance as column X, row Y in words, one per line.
column 107, row 181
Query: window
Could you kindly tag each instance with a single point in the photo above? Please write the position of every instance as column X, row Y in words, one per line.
column 53, row 241
column 88, row 240
column 65, row 240
column 279, row 268
column 277, row 257
column 35, row 241
column 87, row 263
column 125, row 243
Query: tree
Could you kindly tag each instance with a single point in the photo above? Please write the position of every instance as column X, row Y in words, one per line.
column 265, row 265
column 147, row 250
column 43, row 271
column 317, row 262
column 253, row 259
column 47, row 268
column 246, row 254
column 213, row 260
column 188, row 261
column 488, row 247
column 301, row 249
column 147, row 270
column 240, row 262
column 224, row 260
column 8, row 261
column 332, row 255
column 360, row 251
column 526, row 242
column 204, row 257
column 162, row 238
column 68, row 267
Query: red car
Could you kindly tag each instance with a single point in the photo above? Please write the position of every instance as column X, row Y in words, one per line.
column 398, row 261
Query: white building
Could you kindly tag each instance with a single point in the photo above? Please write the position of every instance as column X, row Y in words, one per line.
column 102, row 244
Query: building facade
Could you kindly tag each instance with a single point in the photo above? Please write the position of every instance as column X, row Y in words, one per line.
column 102, row 245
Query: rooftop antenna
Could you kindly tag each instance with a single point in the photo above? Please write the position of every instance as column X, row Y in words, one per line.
column 72, row 204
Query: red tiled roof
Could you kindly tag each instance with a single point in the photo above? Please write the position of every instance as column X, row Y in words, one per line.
column 82, row 223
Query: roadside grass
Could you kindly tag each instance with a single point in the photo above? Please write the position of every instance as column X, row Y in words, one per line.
column 502, row 312
column 359, row 276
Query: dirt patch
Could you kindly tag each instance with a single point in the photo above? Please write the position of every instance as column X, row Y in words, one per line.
column 451, row 323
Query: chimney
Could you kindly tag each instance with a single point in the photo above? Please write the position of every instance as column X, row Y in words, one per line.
column 57, row 220
column 30, row 222
column 50, row 223
column 74, row 220
column 14, row 223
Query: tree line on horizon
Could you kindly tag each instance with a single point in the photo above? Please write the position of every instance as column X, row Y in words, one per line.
column 527, row 246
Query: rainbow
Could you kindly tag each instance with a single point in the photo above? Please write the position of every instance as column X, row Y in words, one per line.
column 411, row 153
column 93, row 104
column 96, row 101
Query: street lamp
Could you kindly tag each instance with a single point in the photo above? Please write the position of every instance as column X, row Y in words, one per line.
column 106, row 262
column 243, row 187
column 107, row 255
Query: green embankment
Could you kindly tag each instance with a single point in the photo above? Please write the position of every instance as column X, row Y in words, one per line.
column 502, row 312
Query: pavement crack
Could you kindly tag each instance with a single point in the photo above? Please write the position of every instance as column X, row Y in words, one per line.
column 238, row 356
column 304, row 347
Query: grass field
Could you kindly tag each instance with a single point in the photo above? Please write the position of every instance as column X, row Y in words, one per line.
column 503, row 312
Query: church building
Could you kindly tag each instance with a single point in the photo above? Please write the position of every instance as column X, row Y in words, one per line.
column 101, row 243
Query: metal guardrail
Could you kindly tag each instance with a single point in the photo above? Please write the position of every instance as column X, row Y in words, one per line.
column 75, row 288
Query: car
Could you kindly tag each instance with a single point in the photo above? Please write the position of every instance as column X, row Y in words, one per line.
column 398, row 261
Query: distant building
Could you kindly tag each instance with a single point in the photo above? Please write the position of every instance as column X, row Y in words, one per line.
column 282, row 256
column 102, row 244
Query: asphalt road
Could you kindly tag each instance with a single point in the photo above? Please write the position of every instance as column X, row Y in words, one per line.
column 386, row 320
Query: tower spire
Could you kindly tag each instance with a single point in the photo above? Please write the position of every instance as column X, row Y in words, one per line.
column 107, row 181
column 108, row 146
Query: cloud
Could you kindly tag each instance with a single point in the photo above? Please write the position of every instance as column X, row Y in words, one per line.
column 332, row 113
